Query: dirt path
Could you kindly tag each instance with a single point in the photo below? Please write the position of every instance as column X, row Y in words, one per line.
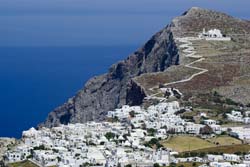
column 190, row 52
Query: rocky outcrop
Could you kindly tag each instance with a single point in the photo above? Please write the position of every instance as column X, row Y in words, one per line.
column 116, row 88
column 135, row 94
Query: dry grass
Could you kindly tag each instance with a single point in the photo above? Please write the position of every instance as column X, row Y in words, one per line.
column 174, row 73
column 225, row 140
column 186, row 143
column 243, row 148
column 22, row 164
column 189, row 164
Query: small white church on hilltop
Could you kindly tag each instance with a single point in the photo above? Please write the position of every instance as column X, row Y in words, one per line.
column 213, row 34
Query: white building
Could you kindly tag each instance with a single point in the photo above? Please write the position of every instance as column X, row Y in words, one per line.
column 220, row 164
column 246, row 120
column 231, row 157
column 209, row 122
column 202, row 114
column 242, row 133
column 46, row 158
column 235, row 116
column 214, row 158
column 13, row 156
column 193, row 128
column 216, row 129
column 247, row 157
column 213, row 34
column 247, row 163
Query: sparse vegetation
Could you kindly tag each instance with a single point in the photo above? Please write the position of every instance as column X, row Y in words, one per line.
column 225, row 140
column 231, row 102
column 22, row 164
column 242, row 148
column 151, row 132
column 185, row 164
column 153, row 143
column 132, row 114
column 174, row 73
column 186, row 143
column 41, row 147
column 129, row 165
column 156, row 165
column 110, row 135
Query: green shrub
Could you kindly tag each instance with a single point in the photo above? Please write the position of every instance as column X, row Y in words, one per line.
column 153, row 142
column 109, row 135
column 41, row 147
column 129, row 165
column 231, row 102
column 156, row 165
column 151, row 132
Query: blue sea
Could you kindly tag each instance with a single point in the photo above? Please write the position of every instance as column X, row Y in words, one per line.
column 35, row 80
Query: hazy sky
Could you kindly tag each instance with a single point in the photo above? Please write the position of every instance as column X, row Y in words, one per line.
column 96, row 22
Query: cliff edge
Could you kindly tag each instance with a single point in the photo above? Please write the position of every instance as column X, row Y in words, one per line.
column 116, row 87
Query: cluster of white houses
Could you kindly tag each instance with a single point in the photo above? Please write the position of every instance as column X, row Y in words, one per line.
column 117, row 142
column 162, row 118
column 237, row 116
column 98, row 144
column 225, row 160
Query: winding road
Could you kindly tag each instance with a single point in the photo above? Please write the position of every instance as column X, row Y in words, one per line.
column 190, row 52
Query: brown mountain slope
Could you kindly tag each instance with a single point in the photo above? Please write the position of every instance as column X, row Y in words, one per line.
column 226, row 62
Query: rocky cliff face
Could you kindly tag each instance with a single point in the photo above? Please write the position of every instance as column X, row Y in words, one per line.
column 116, row 88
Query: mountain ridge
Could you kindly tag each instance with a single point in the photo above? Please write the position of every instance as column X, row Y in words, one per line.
column 161, row 53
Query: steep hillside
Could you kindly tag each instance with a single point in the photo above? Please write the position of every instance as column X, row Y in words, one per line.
column 162, row 62
column 115, row 88
column 212, row 75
